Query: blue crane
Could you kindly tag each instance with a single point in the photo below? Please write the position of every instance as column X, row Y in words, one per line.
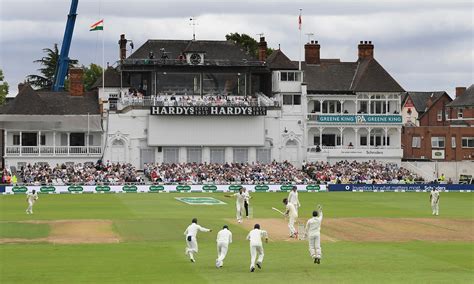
column 63, row 62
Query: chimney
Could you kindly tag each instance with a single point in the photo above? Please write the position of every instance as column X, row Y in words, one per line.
column 123, row 47
column 460, row 91
column 366, row 50
column 20, row 86
column 76, row 87
column 312, row 53
column 262, row 49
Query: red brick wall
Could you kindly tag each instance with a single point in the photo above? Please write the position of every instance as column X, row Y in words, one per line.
column 456, row 154
column 430, row 117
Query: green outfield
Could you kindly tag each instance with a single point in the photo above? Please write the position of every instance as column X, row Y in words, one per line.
column 138, row 238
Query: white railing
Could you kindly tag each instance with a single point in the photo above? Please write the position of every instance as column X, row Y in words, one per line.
column 321, row 148
column 53, row 150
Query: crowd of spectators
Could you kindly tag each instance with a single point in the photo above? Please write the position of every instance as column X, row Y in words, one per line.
column 246, row 173
column 189, row 100
column 86, row 174
column 371, row 172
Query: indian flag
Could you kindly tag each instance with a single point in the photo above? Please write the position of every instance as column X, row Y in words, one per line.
column 99, row 26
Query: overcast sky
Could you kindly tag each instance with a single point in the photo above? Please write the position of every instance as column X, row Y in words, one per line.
column 425, row 45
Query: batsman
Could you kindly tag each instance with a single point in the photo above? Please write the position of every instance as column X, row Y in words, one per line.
column 313, row 232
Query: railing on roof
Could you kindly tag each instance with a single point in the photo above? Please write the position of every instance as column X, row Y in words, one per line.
column 183, row 62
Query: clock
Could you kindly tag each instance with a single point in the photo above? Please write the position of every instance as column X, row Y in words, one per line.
column 195, row 58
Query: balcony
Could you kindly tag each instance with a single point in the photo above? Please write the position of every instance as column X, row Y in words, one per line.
column 375, row 119
column 45, row 151
column 349, row 152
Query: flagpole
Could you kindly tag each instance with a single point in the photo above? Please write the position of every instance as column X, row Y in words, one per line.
column 299, row 46
column 103, row 61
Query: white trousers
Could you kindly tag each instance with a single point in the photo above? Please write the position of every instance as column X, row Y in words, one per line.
column 191, row 247
column 291, row 225
column 315, row 246
column 256, row 253
column 435, row 208
column 240, row 213
column 222, row 248
column 30, row 207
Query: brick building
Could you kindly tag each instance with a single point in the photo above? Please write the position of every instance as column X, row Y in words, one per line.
column 443, row 129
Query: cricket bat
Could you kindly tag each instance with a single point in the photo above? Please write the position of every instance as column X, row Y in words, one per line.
column 278, row 211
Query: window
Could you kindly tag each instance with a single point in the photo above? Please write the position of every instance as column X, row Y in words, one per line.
column 170, row 155
column 264, row 155
column 16, row 139
column 439, row 116
column 363, row 106
column 76, row 139
column 468, row 142
column 453, row 142
column 217, row 156
column 29, row 139
column 43, row 140
column 288, row 99
column 437, row 142
column 194, row 155
column 290, row 76
column 292, row 99
column 241, row 155
column 416, row 142
column 363, row 140
column 460, row 113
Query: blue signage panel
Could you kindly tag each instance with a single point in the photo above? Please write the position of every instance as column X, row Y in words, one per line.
column 359, row 119
column 400, row 187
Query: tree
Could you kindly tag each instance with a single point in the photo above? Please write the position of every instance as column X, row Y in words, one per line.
column 3, row 88
column 91, row 74
column 247, row 42
column 48, row 64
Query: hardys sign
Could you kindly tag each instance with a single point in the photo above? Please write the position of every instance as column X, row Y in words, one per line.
column 209, row 110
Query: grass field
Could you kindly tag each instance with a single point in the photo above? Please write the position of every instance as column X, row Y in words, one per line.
column 151, row 243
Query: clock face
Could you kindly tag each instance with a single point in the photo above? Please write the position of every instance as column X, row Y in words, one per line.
column 195, row 58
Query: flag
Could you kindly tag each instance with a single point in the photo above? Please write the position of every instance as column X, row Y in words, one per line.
column 299, row 22
column 99, row 26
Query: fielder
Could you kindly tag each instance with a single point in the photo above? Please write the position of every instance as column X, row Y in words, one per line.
column 434, row 199
column 246, row 202
column 191, row 240
column 313, row 229
column 240, row 203
column 256, row 247
column 224, row 238
column 31, row 199
column 292, row 216
column 293, row 197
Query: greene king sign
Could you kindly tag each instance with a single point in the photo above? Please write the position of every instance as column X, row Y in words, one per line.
column 209, row 110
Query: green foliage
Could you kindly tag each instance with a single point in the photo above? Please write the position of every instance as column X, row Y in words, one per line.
column 247, row 42
column 47, row 71
column 91, row 74
column 3, row 88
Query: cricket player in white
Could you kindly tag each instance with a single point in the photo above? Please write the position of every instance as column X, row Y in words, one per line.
column 240, row 203
column 246, row 202
column 31, row 199
column 313, row 233
column 256, row 247
column 224, row 238
column 292, row 216
column 191, row 240
column 293, row 197
column 434, row 199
